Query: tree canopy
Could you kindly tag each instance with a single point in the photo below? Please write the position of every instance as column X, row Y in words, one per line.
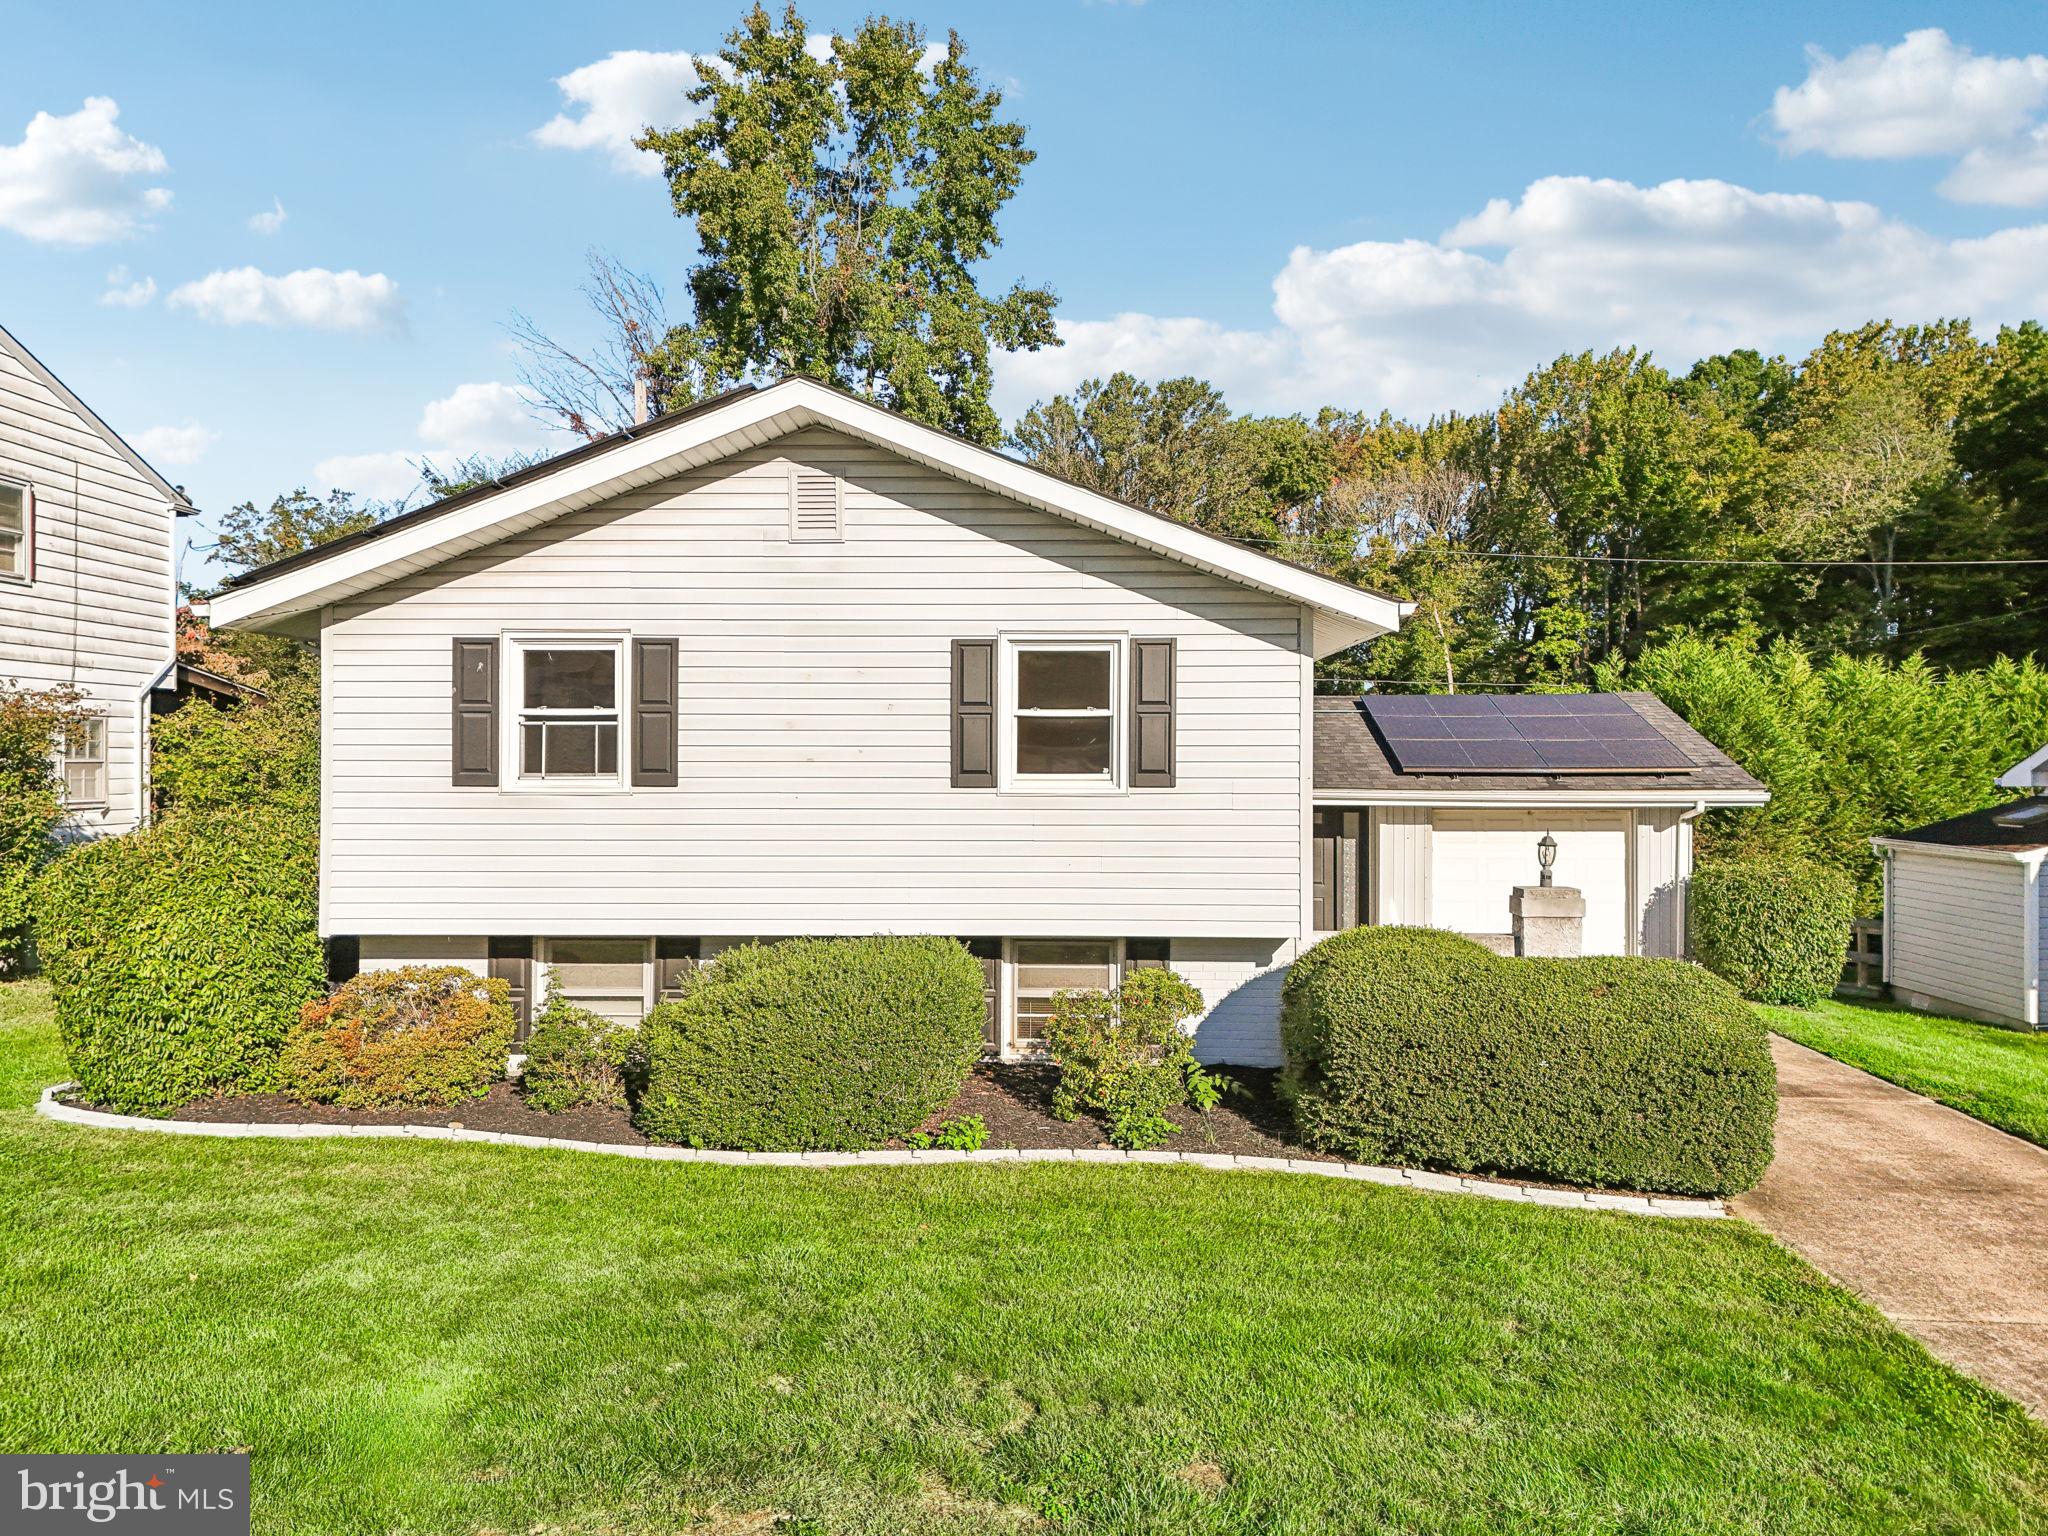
column 842, row 200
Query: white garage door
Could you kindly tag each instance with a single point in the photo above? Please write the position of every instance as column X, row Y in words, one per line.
column 1483, row 855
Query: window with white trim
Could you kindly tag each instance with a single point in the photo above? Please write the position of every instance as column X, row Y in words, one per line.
column 1041, row 969
column 84, row 753
column 607, row 976
column 567, row 721
column 17, row 531
column 1062, row 719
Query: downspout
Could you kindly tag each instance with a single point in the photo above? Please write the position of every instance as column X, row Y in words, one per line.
column 1685, row 821
column 2030, row 942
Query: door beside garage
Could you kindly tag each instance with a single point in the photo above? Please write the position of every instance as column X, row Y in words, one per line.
column 1482, row 855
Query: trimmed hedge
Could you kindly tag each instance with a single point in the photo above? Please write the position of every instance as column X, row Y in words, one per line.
column 180, row 955
column 1774, row 929
column 416, row 1034
column 1415, row 1046
column 813, row 1044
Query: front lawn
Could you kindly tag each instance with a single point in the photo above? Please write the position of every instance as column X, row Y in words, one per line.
column 436, row 1338
column 1998, row 1075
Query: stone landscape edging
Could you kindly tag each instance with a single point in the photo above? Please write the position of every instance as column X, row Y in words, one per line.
column 52, row 1108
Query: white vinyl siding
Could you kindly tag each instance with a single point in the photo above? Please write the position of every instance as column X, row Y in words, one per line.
column 1663, row 856
column 1398, row 866
column 814, row 791
column 97, row 616
column 1954, row 934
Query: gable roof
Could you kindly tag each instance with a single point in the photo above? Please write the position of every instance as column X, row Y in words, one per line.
column 2030, row 772
column 180, row 504
column 1353, row 764
column 276, row 594
column 1979, row 829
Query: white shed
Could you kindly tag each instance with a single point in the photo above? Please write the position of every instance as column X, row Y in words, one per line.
column 1964, row 912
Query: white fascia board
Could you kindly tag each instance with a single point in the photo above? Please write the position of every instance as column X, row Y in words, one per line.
column 1715, row 799
column 2025, row 856
column 744, row 422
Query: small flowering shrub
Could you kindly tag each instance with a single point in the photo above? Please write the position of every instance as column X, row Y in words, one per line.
column 577, row 1059
column 418, row 1035
column 1124, row 1055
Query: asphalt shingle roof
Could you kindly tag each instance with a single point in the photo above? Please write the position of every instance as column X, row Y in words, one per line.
column 1351, row 759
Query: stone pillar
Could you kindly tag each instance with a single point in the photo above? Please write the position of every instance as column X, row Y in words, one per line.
column 1547, row 919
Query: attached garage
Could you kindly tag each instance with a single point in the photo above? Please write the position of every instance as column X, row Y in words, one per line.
column 1441, row 838
column 1482, row 855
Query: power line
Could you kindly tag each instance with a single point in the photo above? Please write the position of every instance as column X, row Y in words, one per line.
column 1489, row 554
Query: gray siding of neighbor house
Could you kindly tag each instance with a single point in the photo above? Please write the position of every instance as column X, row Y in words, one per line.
column 1954, row 934
column 814, row 789
column 98, row 615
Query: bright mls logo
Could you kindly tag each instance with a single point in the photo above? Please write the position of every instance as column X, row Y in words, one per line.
column 161, row 1495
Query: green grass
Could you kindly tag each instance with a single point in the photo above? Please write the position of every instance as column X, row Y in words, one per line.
column 1998, row 1075
column 431, row 1338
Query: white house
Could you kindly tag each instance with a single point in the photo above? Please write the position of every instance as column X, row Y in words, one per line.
column 87, row 582
column 1965, row 916
column 789, row 663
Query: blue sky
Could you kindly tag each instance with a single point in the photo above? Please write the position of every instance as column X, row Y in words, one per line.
column 1367, row 205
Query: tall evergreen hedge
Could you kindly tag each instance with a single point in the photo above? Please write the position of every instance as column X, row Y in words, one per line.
column 813, row 1044
column 179, row 955
column 1774, row 929
column 1415, row 1046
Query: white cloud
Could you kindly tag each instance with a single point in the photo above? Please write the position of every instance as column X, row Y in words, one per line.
column 2014, row 173
column 1927, row 95
column 271, row 219
column 1684, row 268
column 314, row 299
column 175, row 445
column 124, row 294
column 78, row 180
column 620, row 96
column 489, row 418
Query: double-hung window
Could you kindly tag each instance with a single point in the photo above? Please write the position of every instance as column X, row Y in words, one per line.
column 17, row 531
column 1062, row 727
column 84, row 752
column 567, row 724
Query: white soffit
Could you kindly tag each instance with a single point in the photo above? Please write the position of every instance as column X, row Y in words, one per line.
column 1344, row 614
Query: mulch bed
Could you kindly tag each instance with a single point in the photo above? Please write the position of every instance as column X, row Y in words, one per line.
column 1014, row 1101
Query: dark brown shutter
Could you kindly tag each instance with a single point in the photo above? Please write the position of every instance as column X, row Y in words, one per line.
column 1152, row 689
column 511, row 961
column 974, row 714
column 1147, row 954
column 344, row 959
column 674, row 959
column 476, row 713
column 990, row 953
column 654, row 713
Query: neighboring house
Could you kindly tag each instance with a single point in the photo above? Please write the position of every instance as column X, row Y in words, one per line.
column 789, row 663
column 87, row 583
column 1965, row 917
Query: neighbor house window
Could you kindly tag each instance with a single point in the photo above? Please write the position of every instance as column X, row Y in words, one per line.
column 607, row 976
column 84, row 751
column 1062, row 721
column 17, row 530
column 1043, row 968
column 568, row 718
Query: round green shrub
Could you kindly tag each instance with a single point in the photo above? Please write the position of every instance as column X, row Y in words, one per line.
column 179, row 955
column 1774, row 929
column 1415, row 1046
column 813, row 1044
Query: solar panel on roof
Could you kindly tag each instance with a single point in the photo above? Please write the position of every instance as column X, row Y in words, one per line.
column 1540, row 733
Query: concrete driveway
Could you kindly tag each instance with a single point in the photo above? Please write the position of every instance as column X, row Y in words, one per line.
column 1936, row 1219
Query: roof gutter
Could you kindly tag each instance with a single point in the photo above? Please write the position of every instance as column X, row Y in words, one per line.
column 1596, row 798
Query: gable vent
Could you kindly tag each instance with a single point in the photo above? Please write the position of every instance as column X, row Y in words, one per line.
column 816, row 508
